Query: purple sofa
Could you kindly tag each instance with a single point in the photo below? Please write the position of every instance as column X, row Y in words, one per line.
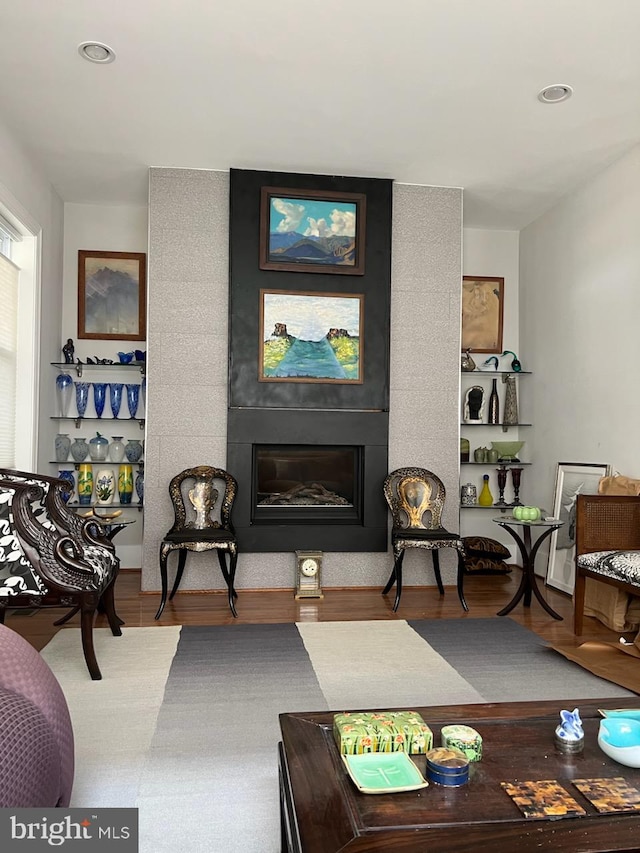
column 36, row 736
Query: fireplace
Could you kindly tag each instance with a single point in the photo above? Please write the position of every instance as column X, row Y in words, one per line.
column 306, row 484
column 308, row 479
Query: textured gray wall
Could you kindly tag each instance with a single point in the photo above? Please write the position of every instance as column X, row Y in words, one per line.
column 187, row 365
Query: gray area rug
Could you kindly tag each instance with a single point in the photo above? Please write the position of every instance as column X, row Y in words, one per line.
column 193, row 713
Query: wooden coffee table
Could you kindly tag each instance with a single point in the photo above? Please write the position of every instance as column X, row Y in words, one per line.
column 322, row 812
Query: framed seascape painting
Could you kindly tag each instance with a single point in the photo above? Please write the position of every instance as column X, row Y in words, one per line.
column 111, row 295
column 482, row 313
column 310, row 337
column 312, row 231
column 572, row 479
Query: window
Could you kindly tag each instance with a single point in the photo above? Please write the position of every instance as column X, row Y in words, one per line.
column 9, row 278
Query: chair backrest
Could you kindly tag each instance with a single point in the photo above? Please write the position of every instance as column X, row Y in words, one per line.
column 57, row 559
column 202, row 498
column 416, row 498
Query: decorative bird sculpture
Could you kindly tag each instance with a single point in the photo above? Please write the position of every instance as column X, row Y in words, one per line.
column 515, row 364
column 486, row 365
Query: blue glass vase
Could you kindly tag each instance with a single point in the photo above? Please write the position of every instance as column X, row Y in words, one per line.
column 115, row 397
column 140, row 485
column 68, row 475
column 82, row 397
column 99, row 396
column 64, row 393
column 133, row 398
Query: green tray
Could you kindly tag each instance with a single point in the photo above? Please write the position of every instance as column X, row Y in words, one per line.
column 384, row 772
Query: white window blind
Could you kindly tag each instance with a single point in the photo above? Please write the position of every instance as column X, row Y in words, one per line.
column 9, row 276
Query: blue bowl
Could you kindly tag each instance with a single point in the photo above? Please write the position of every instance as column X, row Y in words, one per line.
column 619, row 738
column 125, row 357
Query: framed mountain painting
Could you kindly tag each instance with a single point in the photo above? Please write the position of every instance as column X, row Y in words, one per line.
column 111, row 295
column 312, row 231
column 310, row 337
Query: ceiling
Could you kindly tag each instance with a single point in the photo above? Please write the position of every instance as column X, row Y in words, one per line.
column 435, row 92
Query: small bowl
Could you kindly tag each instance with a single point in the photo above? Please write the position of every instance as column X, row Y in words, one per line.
column 125, row 357
column 507, row 449
column 619, row 738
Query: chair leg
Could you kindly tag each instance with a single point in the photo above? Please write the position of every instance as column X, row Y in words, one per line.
column 396, row 577
column 108, row 603
column 578, row 602
column 182, row 559
column 229, row 575
column 164, row 551
column 461, row 572
column 436, row 568
column 3, row 613
column 86, row 629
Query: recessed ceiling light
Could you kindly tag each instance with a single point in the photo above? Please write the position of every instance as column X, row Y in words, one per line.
column 95, row 51
column 554, row 94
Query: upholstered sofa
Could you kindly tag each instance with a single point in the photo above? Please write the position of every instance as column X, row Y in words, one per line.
column 607, row 553
column 36, row 735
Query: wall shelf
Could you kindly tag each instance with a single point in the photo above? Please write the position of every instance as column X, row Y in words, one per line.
column 78, row 368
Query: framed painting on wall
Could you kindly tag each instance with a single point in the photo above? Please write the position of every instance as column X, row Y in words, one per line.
column 572, row 479
column 312, row 231
column 111, row 295
column 310, row 337
column 482, row 313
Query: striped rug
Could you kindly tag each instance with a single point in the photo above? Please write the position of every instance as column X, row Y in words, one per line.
column 184, row 724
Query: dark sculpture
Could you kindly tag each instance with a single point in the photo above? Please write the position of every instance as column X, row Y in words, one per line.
column 68, row 350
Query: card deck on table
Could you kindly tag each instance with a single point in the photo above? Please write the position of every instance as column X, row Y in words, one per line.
column 544, row 799
column 610, row 795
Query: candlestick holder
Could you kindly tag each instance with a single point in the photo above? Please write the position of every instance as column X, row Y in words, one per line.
column 516, row 473
column 502, row 482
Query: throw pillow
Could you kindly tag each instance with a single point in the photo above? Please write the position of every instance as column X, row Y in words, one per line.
column 485, row 566
column 483, row 546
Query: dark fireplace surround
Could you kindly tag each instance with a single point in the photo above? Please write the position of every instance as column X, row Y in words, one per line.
column 297, row 424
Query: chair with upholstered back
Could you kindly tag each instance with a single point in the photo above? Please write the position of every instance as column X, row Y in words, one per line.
column 416, row 499
column 49, row 556
column 202, row 499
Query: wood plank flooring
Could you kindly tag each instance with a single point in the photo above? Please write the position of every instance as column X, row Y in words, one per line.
column 485, row 596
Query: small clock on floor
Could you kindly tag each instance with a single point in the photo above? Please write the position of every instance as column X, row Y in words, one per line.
column 308, row 574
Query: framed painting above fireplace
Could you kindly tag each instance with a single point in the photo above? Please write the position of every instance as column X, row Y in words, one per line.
column 312, row 230
column 310, row 337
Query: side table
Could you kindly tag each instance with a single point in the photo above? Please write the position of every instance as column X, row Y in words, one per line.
column 528, row 583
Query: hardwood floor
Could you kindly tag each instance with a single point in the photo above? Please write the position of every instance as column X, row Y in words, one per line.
column 485, row 596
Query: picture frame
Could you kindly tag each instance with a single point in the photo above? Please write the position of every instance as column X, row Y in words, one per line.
column 572, row 479
column 308, row 336
column 112, row 295
column 482, row 313
column 317, row 231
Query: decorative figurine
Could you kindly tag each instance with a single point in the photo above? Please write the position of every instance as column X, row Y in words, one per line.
column 68, row 350
column 474, row 405
column 515, row 364
column 466, row 362
column 486, row 365
column 570, row 734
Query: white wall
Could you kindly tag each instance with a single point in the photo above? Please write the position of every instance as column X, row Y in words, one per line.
column 32, row 199
column 495, row 253
column 108, row 229
column 580, row 304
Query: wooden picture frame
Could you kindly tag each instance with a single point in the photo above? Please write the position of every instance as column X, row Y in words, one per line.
column 317, row 231
column 112, row 295
column 482, row 313
column 572, row 479
column 311, row 337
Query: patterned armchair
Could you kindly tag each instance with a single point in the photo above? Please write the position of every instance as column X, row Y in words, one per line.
column 51, row 556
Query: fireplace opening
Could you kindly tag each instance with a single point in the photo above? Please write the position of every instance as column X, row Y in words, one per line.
column 307, row 484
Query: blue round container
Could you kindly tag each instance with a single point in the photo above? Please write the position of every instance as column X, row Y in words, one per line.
column 447, row 766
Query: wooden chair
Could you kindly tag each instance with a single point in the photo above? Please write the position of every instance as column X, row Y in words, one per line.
column 49, row 556
column 607, row 546
column 202, row 523
column 416, row 499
